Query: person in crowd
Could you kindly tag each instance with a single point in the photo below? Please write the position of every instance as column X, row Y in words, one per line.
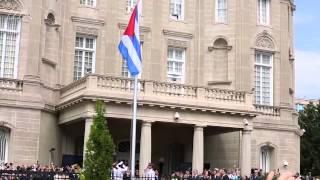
column 224, row 175
column 216, row 174
column 206, row 175
column 149, row 171
column 255, row 175
column 187, row 175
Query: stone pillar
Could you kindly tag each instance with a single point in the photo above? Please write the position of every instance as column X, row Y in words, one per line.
column 87, row 129
column 145, row 146
column 246, row 152
column 198, row 150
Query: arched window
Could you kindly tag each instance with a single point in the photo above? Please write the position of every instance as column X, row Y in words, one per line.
column 266, row 158
column 50, row 19
column 263, row 67
column 4, row 144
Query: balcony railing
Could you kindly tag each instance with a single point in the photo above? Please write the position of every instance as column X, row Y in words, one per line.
column 157, row 92
column 268, row 110
column 10, row 85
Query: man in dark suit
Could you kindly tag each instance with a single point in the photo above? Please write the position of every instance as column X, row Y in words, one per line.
column 224, row 176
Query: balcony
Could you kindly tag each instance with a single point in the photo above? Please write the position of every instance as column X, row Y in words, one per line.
column 268, row 110
column 153, row 93
column 11, row 85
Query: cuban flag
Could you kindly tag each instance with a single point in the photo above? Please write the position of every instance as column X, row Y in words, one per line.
column 129, row 45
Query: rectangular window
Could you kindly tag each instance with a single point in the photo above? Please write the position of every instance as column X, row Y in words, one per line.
column 177, row 9
column 263, row 79
column 124, row 70
column 264, row 12
column 130, row 5
column 221, row 11
column 9, row 45
column 176, row 64
column 84, row 57
column 88, row 2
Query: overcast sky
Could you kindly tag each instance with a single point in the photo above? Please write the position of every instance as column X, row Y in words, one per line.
column 307, row 44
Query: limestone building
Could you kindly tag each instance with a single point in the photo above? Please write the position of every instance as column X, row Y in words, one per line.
column 216, row 90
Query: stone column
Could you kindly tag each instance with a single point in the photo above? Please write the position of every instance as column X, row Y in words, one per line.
column 197, row 153
column 87, row 129
column 145, row 146
column 246, row 152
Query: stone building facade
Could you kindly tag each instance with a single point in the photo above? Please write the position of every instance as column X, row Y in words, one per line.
column 216, row 89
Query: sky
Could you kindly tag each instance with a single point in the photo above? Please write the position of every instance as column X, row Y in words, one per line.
column 307, row 48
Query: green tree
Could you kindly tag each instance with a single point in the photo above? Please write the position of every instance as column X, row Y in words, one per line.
column 309, row 119
column 100, row 148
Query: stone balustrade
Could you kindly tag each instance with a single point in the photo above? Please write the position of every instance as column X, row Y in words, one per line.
column 118, row 84
column 173, row 94
column 11, row 85
column 268, row 110
column 225, row 95
column 174, row 90
column 118, row 88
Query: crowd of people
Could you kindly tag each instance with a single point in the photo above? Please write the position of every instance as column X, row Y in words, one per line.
column 8, row 171
column 38, row 168
column 121, row 171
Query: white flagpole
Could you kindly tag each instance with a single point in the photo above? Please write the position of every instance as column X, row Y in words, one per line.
column 133, row 127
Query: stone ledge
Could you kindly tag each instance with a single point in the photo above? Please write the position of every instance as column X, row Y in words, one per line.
column 177, row 34
column 87, row 21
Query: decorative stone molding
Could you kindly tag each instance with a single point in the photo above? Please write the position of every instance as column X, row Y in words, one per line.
column 87, row 30
column 211, row 48
column 49, row 62
column 142, row 28
column 265, row 41
column 177, row 34
column 224, row 46
column 14, row 5
column 177, row 43
column 211, row 83
column 82, row 20
column 7, row 125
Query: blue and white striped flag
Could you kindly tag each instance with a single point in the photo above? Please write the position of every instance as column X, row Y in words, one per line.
column 129, row 45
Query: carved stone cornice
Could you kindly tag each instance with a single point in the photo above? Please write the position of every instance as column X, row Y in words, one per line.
column 185, row 107
column 264, row 41
column 87, row 30
column 12, row 5
column 211, row 48
column 177, row 43
column 82, row 20
column 177, row 34
column 143, row 29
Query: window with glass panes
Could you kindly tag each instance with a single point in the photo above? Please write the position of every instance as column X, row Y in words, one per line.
column 265, row 159
column 88, row 2
column 176, row 64
column 264, row 12
column 124, row 69
column 221, row 11
column 130, row 5
column 177, row 9
column 4, row 143
column 263, row 78
column 84, row 57
column 9, row 45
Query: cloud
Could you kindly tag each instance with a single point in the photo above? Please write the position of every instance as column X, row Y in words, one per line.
column 307, row 74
